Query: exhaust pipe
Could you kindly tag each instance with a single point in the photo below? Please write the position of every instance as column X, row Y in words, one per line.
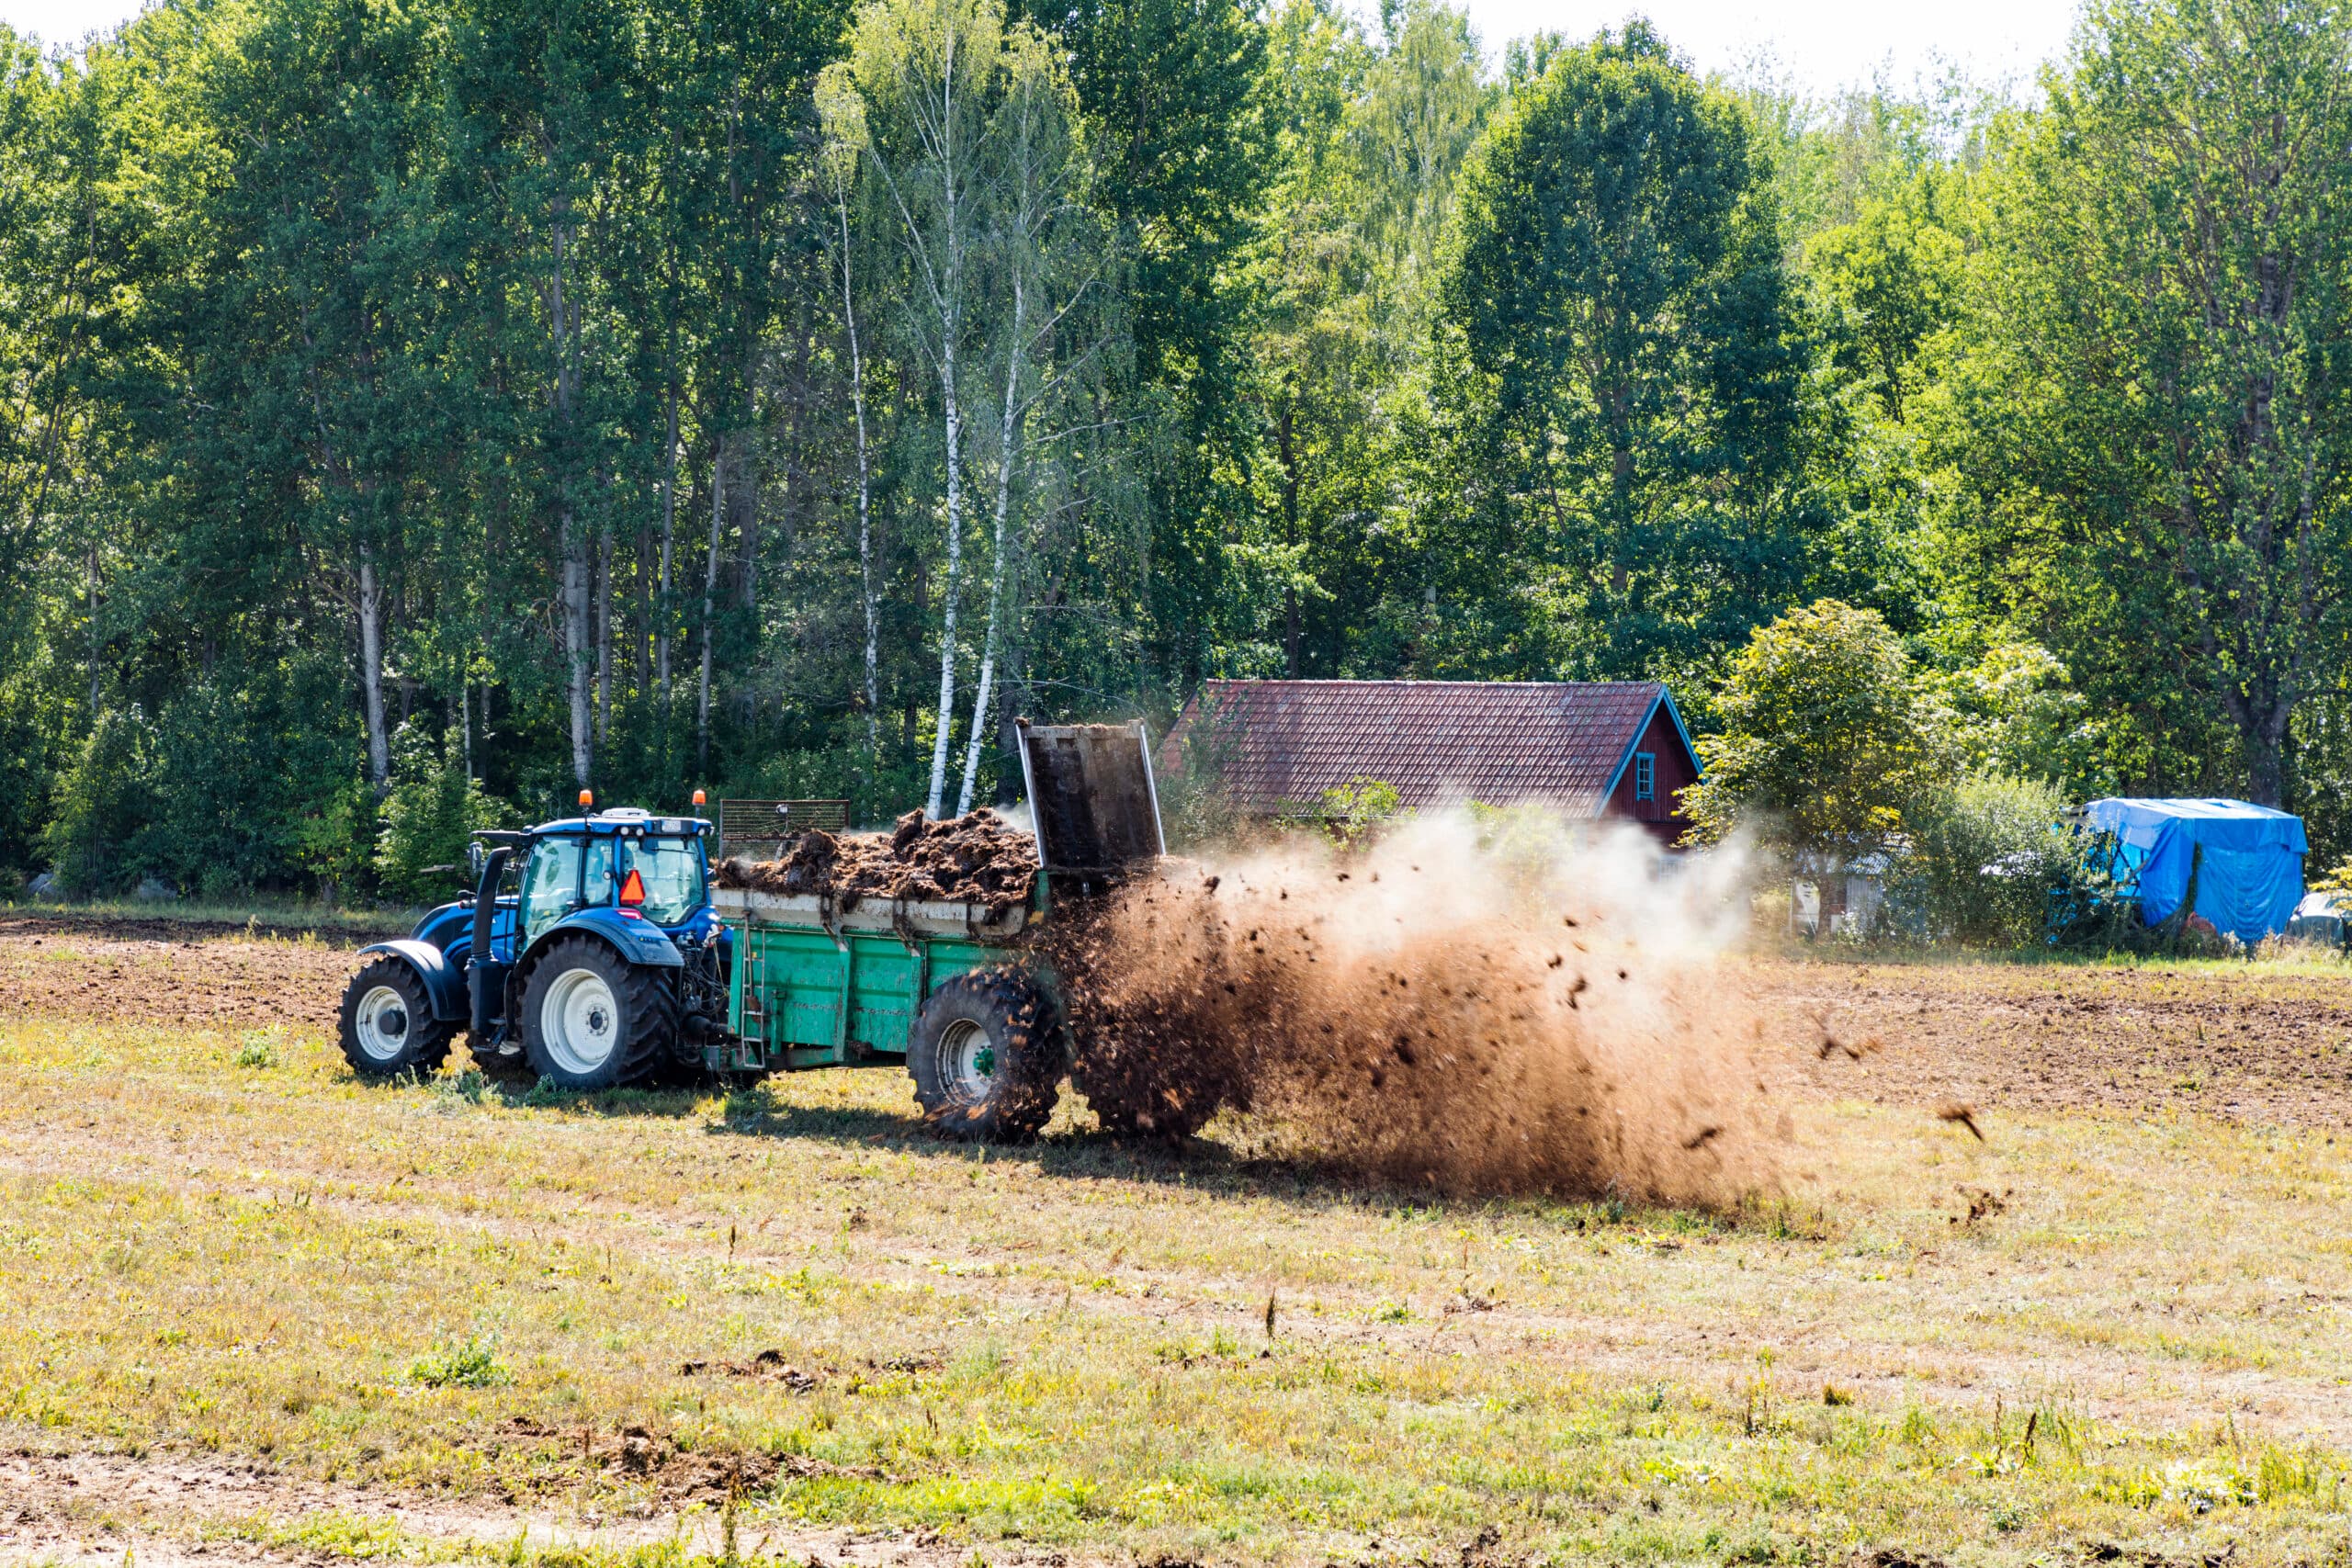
column 477, row 954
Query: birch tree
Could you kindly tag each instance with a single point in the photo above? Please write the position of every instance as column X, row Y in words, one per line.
column 843, row 115
column 928, row 70
column 1043, row 264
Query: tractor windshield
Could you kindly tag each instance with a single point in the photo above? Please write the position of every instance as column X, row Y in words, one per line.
column 550, row 884
column 670, row 868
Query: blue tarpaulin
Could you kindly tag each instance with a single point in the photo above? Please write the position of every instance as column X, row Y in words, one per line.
column 2249, row 859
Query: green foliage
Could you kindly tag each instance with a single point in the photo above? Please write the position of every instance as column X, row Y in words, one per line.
column 2013, row 712
column 471, row 1364
column 97, row 836
column 1888, row 281
column 1984, row 855
column 242, row 760
column 487, row 370
column 1827, row 739
column 427, row 818
column 1355, row 812
column 1629, row 359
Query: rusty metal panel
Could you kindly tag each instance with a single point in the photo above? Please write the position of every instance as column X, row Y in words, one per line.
column 1092, row 794
column 743, row 823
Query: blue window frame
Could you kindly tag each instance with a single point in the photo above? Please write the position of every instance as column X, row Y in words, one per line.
column 1645, row 776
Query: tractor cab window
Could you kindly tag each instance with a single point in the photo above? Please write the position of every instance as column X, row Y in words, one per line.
column 672, row 872
column 550, row 884
column 597, row 879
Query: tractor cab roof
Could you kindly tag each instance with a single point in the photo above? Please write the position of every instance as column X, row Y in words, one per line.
column 625, row 820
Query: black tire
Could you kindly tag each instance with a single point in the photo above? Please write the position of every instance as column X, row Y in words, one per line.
column 593, row 1021
column 987, row 1055
column 387, row 1028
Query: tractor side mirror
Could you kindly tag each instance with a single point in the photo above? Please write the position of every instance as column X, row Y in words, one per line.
column 475, row 858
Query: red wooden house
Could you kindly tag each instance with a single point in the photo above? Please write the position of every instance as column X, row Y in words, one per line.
column 1592, row 749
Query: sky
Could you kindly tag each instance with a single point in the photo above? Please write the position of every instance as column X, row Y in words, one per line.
column 1818, row 45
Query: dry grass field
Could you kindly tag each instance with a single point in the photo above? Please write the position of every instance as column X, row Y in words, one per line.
column 249, row 1307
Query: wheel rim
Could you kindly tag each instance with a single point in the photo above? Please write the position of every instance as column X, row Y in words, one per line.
column 581, row 1021
column 967, row 1061
column 380, row 1022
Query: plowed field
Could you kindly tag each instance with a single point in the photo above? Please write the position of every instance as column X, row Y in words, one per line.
column 253, row 1309
column 2252, row 1044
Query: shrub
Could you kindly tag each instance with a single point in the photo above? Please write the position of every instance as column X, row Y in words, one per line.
column 469, row 1365
column 431, row 809
column 101, row 836
column 1983, row 859
column 1828, row 737
column 1352, row 812
column 240, row 758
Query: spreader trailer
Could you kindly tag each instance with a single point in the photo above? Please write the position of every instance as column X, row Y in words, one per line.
column 958, row 991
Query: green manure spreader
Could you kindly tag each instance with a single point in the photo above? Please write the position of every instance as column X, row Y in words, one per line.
column 958, row 991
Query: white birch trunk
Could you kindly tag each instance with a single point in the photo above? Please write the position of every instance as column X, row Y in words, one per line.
column 576, row 648
column 947, row 619
column 951, row 323
column 371, row 671
column 1008, row 459
column 604, row 636
column 669, row 531
column 709, row 597
column 563, row 326
column 864, row 500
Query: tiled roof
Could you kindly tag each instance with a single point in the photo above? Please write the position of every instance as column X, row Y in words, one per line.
column 1436, row 742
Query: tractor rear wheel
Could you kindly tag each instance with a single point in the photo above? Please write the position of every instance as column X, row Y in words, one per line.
column 387, row 1028
column 987, row 1056
column 592, row 1019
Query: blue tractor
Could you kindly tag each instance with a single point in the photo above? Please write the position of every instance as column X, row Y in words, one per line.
column 587, row 954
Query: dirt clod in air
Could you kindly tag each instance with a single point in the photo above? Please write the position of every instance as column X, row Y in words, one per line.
column 1984, row 1204
column 768, row 1366
column 1963, row 1114
column 977, row 858
column 1425, row 1028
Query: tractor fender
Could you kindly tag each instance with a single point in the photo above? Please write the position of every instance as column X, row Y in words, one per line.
column 445, row 982
column 637, row 941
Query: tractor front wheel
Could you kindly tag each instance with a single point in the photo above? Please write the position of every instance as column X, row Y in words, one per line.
column 986, row 1057
column 593, row 1021
column 387, row 1028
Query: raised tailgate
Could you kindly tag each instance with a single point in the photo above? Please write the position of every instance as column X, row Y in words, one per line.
column 1091, row 793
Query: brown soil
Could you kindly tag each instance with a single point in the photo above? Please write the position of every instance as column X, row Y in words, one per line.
column 2253, row 1044
column 158, row 971
column 183, row 1510
column 974, row 858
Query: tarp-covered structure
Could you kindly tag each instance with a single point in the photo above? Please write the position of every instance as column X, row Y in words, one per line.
column 2248, row 859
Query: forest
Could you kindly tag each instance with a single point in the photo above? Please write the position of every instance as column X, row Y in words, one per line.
column 414, row 410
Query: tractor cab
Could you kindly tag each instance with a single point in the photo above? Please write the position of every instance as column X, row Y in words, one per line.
column 587, row 951
column 640, row 866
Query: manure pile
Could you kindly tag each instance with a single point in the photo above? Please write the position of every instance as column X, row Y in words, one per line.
column 979, row 858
